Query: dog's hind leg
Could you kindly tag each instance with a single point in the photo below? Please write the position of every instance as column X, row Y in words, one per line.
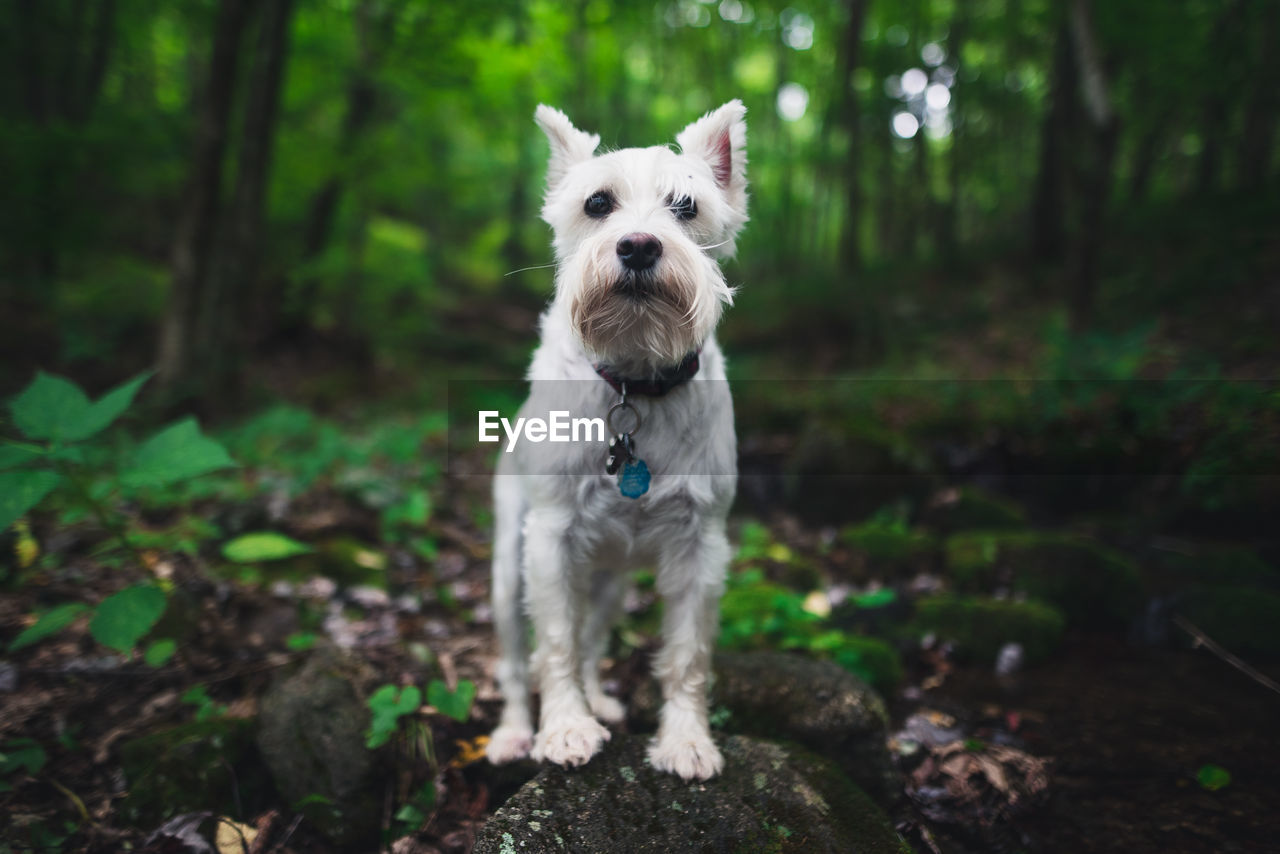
column 607, row 588
column 513, row 739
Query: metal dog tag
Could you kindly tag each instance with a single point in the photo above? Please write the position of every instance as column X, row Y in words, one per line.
column 634, row 480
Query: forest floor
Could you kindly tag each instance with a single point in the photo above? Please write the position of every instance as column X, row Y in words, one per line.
column 1124, row 727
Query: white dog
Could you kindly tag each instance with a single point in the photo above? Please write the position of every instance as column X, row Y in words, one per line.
column 629, row 336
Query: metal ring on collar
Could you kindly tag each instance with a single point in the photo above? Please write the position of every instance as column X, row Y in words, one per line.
column 623, row 405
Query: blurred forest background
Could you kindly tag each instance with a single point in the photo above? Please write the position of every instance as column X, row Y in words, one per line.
column 1015, row 263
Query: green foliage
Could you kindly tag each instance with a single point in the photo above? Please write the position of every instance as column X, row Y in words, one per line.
column 1213, row 777
column 56, row 410
column 23, row 754
column 123, row 618
column 49, row 623
column 159, row 652
column 389, row 704
column 265, row 545
column 888, row 541
column 207, row 709
column 757, row 614
column 1241, row 618
column 456, row 703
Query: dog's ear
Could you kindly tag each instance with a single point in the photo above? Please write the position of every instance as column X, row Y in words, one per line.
column 720, row 138
column 568, row 144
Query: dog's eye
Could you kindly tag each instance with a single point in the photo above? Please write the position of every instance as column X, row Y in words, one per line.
column 599, row 206
column 684, row 208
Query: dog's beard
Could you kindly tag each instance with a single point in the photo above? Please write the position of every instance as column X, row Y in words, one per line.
column 650, row 318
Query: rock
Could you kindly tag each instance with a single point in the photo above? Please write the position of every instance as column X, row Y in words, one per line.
column 817, row 704
column 192, row 767
column 842, row 471
column 889, row 546
column 970, row 508
column 768, row 799
column 1091, row 584
column 981, row 626
column 1193, row 564
column 311, row 734
column 1242, row 619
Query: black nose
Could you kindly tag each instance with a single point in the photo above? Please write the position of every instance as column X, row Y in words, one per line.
column 639, row 251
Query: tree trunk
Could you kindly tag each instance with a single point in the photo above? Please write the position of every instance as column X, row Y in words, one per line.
column 1216, row 109
column 844, row 115
column 193, row 240
column 1105, row 126
column 1048, row 207
column 1257, row 143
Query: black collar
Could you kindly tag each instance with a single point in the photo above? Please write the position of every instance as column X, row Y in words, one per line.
column 655, row 385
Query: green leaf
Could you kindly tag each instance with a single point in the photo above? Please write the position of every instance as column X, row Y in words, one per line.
column 160, row 652
column 57, row 409
column 123, row 618
column 177, row 452
column 1213, row 777
column 263, row 545
column 388, row 705
column 49, row 407
column 22, row 490
column 409, row 814
column 301, row 641
column 21, row 753
column 876, row 598
column 456, row 704
column 12, row 456
column 51, row 622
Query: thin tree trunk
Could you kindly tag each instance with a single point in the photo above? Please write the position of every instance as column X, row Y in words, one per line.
column 193, row 240
column 221, row 336
column 844, row 114
column 1216, row 111
column 1096, row 97
column 1257, row 143
column 1048, row 207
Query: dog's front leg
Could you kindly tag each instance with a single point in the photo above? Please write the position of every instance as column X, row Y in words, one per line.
column 567, row 733
column 690, row 580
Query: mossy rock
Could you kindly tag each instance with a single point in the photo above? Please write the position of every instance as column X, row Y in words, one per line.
column 840, row 471
column 209, row 766
column 981, row 625
column 968, row 508
column 1204, row 564
column 769, row 799
column 311, row 735
column 1242, row 619
column 889, row 545
column 818, row 704
column 1090, row 583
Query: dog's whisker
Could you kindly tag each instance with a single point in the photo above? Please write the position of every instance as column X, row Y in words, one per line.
column 527, row 269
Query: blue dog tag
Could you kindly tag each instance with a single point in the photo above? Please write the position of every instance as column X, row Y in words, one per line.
column 634, row 480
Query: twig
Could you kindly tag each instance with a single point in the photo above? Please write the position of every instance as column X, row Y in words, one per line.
column 1204, row 640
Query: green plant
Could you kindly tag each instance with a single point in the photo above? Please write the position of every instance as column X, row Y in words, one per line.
column 206, row 708
column 57, row 421
column 456, row 703
column 388, row 705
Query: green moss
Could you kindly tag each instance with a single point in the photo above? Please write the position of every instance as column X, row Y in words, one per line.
column 982, row 625
column 1091, row 584
column 971, row 508
column 888, row 541
column 1242, row 619
column 1216, row 565
column 871, row 658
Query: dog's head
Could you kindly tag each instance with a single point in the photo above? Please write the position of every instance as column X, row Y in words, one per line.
column 638, row 233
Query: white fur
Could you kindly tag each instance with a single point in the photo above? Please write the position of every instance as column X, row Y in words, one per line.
column 565, row 536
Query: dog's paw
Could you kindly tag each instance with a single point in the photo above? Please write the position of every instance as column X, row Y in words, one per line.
column 570, row 741
column 606, row 708
column 691, row 757
column 509, row 743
